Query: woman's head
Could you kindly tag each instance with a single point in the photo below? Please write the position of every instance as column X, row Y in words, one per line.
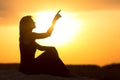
column 26, row 24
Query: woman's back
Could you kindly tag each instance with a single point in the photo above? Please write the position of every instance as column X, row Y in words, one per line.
column 27, row 53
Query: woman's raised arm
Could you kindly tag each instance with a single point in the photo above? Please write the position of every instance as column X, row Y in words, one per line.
column 49, row 31
column 57, row 16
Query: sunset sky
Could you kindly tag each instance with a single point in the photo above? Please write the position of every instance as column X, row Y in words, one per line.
column 89, row 33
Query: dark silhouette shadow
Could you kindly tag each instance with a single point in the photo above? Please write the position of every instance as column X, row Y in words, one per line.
column 110, row 72
column 48, row 62
column 106, row 72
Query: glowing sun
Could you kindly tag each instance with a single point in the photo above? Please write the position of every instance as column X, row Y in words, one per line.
column 65, row 28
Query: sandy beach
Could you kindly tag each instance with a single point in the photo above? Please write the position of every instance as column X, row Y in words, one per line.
column 16, row 75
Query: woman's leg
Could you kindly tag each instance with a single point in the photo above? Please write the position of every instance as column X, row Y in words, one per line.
column 51, row 63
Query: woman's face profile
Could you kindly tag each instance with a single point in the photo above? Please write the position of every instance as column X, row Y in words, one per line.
column 32, row 24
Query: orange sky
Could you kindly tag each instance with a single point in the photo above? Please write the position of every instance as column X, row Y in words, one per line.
column 96, row 43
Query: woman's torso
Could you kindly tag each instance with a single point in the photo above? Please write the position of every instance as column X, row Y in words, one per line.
column 27, row 53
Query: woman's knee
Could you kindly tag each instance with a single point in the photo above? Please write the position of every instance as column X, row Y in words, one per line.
column 53, row 51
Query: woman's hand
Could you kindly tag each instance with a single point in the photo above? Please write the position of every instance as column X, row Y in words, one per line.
column 57, row 16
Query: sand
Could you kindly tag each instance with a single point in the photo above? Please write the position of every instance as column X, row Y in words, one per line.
column 16, row 75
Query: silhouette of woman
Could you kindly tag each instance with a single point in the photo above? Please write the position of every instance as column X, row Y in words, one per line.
column 46, row 63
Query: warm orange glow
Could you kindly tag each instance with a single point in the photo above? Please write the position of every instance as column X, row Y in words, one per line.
column 65, row 29
column 87, row 33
